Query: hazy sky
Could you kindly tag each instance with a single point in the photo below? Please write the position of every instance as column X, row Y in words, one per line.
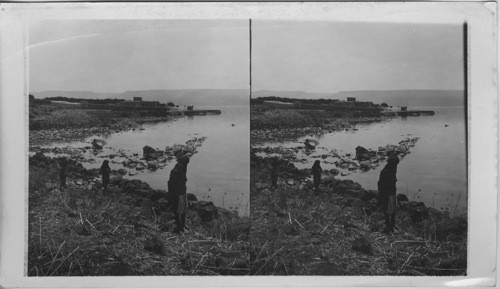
column 119, row 55
column 115, row 56
column 336, row 56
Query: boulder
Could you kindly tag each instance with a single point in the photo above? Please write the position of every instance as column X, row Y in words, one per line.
column 369, row 195
column 310, row 144
column 207, row 211
column 79, row 230
column 192, row 197
column 155, row 245
column 149, row 153
column 152, row 166
column 363, row 245
column 334, row 172
column 364, row 165
column 402, row 198
column 122, row 171
column 363, row 154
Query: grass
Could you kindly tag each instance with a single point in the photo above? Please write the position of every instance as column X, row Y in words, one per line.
column 301, row 231
column 82, row 231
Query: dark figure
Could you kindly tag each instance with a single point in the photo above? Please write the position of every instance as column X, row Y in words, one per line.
column 387, row 192
column 105, row 171
column 63, row 173
column 177, row 188
column 316, row 171
column 274, row 173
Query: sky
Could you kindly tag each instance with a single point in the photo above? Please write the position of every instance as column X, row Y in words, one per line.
column 121, row 55
column 339, row 56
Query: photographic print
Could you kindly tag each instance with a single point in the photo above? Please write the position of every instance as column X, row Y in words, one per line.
column 138, row 147
column 358, row 149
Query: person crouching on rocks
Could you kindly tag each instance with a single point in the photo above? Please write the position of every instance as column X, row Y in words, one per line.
column 387, row 192
column 316, row 171
column 105, row 171
column 62, row 172
column 177, row 187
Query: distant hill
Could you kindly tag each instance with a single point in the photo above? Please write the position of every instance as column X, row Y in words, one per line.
column 411, row 98
column 197, row 97
column 292, row 94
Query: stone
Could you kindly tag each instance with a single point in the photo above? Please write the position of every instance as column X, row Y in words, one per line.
column 79, row 230
column 122, row 171
column 207, row 211
column 362, row 244
column 155, row 245
column 402, row 198
column 192, row 197
column 364, row 165
column 149, row 153
column 153, row 166
column 369, row 195
column 310, row 144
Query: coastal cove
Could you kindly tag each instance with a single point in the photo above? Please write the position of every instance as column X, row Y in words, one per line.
column 218, row 171
column 434, row 172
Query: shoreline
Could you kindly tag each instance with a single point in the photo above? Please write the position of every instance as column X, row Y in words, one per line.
column 337, row 230
column 344, row 222
column 130, row 224
column 43, row 137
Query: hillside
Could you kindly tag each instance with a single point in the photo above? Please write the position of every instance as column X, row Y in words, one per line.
column 412, row 98
column 197, row 97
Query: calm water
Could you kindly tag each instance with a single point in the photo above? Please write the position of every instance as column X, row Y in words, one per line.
column 219, row 172
column 435, row 172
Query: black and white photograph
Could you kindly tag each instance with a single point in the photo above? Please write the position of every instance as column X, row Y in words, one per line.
column 249, row 144
column 358, row 160
column 138, row 148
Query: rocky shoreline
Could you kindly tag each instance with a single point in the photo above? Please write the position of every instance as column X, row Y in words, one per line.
column 125, row 231
column 42, row 137
column 337, row 230
column 270, row 132
column 363, row 160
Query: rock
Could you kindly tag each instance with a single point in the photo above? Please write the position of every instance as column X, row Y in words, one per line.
column 226, row 213
column 97, row 144
column 364, row 165
column 80, row 230
column 192, row 197
column 363, row 245
column 334, row 172
column 310, row 144
column 402, row 198
column 207, row 211
column 418, row 212
column 344, row 174
column 152, row 166
column 362, row 154
column 155, row 245
column 369, row 195
column 149, row 153
column 361, row 150
column 352, row 202
column 122, row 172
column 157, row 195
column 132, row 173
